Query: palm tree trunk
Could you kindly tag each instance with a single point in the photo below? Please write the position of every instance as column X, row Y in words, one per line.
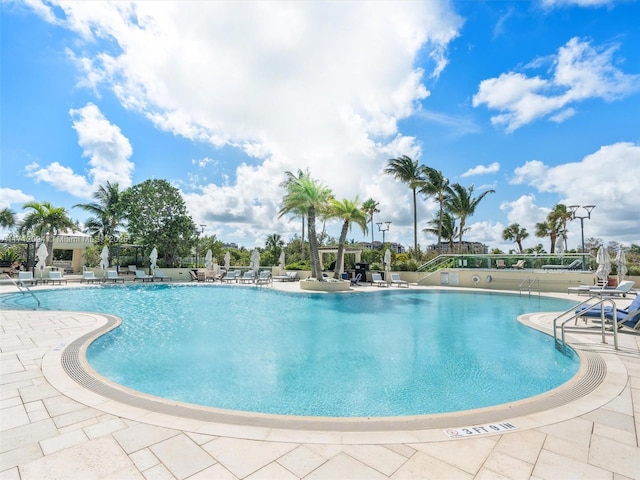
column 316, row 271
column 440, row 227
column 415, row 225
column 340, row 255
column 302, row 253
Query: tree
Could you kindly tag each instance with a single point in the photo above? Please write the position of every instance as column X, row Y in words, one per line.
column 462, row 204
column 447, row 227
column 407, row 171
column 157, row 217
column 554, row 224
column 370, row 207
column 516, row 233
column 273, row 248
column 107, row 213
column 349, row 212
column 45, row 221
column 7, row 218
column 303, row 212
column 437, row 185
column 307, row 194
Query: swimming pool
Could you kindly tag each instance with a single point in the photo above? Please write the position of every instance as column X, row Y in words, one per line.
column 384, row 353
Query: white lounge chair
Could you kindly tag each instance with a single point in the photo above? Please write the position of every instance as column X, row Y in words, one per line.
column 396, row 280
column 56, row 276
column 26, row 277
column 158, row 275
column 231, row 276
column 623, row 289
column 248, row 277
column 89, row 277
column 112, row 276
column 376, row 279
column 143, row 277
column 264, row 278
column 519, row 265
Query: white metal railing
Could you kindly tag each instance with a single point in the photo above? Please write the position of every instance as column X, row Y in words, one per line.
column 560, row 343
column 530, row 284
column 21, row 286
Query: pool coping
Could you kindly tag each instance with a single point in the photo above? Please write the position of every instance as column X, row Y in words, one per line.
column 601, row 377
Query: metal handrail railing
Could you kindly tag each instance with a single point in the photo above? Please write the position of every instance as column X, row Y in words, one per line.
column 21, row 286
column 528, row 283
column 561, row 344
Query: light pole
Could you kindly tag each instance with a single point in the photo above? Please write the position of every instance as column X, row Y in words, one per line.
column 588, row 209
column 381, row 229
column 198, row 243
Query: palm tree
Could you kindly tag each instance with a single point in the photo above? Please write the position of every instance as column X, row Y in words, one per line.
column 7, row 218
column 370, row 207
column 407, row 171
column 349, row 212
column 302, row 213
column 274, row 245
column 107, row 212
column 447, row 227
column 461, row 203
column 437, row 185
column 306, row 194
column 558, row 217
column 45, row 221
column 517, row 233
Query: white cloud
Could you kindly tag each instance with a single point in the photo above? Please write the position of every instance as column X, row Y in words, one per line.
column 482, row 170
column 580, row 72
column 12, row 196
column 103, row 144
column 578, row 3
column 608, row 178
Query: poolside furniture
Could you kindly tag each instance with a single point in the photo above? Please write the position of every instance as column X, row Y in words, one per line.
column 396, row 280
column 376, row 279
column 248, row 277
column 158, row 275
column 56, row 276
column 89, row 277
column 628, row 317
column 112, row 276
column 519, row 265
column 623, row 289
column 26, row 277
column 575, row 265
column 356, row 279
column 143, row 277
column 231, row 276
column 194, row 276
column 132, row 269
column 264, row 278
column 500, row 264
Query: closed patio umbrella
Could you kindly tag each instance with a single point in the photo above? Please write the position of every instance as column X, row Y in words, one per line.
column 227, row 261
column 255, row 260
column 604, row 264
column 153, row 259
column 104, row 259
column 387, row 266
column 208, row 260
column 621, row 264
column 281, row 262
column 42, row 254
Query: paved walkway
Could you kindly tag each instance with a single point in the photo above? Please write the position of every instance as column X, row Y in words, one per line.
column 51, row 429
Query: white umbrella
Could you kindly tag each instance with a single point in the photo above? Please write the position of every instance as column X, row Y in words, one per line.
column 281, row 261
column 559, row 245
column 42, row 254
column 104, row 259
column 255, row 260
column 153, row 259
column 208, row 260
column 621, row 264
column 604, row 264
column 227, row 261
column 387, row 265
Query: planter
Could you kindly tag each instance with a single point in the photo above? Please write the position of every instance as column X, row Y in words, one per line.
column 612, row 282
column 324, row 286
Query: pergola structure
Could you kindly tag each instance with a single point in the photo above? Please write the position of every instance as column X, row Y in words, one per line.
column 324, row 250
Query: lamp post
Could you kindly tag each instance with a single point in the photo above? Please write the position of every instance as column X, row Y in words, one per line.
column 381, row 229
column 198, row 242
column 574, row 215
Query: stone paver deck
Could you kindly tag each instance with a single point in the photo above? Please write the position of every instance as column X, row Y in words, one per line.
column 50, row 428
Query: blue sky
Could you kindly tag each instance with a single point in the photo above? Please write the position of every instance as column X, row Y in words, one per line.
column 537, row 100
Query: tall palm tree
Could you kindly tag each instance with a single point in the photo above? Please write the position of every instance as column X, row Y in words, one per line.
column 349, row 212
column 107, row 212
column 447, row 226
column 307, row 194
column 436, row 185
column 7, row 218
column 462, row 204
column 544, row 230
column 303, row 212
column 558, row 217
column 408, row 171
column 370, row 207
column 516, row 233
column 45, row 221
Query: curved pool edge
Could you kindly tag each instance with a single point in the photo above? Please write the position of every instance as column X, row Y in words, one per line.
column 600, row 378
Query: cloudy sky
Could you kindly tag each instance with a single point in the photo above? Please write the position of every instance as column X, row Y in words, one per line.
column 538, row 100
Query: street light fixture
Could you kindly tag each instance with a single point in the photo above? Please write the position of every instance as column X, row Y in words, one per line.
column 381, row 229
column 574, row 215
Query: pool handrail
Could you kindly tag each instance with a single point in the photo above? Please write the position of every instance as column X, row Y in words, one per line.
column 561, row 345
column 21, row 286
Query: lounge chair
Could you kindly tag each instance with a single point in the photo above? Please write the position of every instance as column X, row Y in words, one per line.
column 248, row 277
column 519, row 265
column 356, row 279
column 623, row 289
column 231, row 276
column 376, row 279
column 132, row 269
column 89, row 277
column 396, row 280
column 56, row 276
column 500, row 264
column 112, row 276
column 264, row 278
column 575, row 265
column 194, row 276
column 158, row 275
column 26, row 277
column 626, row 317
column 143, row 277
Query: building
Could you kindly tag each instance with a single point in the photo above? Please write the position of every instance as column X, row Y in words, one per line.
column 467, row 247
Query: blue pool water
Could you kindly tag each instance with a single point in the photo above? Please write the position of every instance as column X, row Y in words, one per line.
column 385, row 353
